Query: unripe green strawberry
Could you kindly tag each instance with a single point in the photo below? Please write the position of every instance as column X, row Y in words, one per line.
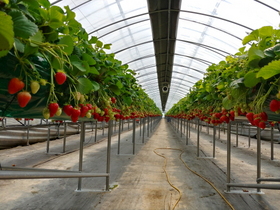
column 58, row 112
column 35, row 86
column 46, row 113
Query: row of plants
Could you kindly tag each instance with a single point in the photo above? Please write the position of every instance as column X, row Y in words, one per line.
column 244, row 84
column 51, row 65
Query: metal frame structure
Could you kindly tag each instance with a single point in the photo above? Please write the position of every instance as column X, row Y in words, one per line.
column 258, row 185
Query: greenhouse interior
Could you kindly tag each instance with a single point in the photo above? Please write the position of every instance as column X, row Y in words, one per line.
column 139, row 105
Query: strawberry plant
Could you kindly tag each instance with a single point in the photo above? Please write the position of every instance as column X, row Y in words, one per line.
column 15, row 85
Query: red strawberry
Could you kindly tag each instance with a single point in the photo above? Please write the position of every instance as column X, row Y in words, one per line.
column 84, row 110
column 274, row 105
column 250, row 116
column 60, row 77
column 23, row 98
column 114, row 100
column 53, row 107
column 75, row 114
column 262, row 125
column 68, row 109
column 90, row 107
column 15, row 85
column 263, row 116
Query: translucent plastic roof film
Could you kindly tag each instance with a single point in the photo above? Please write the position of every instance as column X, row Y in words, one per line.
column 207, row 31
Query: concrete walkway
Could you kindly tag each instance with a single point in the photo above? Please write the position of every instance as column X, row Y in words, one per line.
column 138, row 182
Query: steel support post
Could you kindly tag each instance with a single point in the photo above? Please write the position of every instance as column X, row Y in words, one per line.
column 148, row 127
column 187, row 133
column 198, row 131
column 48, row 139
column 143, row 136
column 249, row 139
column 64, row 137
column 271, row 142
column 181, row 129
column 58, row 131
column 122, row 124
column 258, row 157
column 189, row 129
column 103, row 127
column 214, row 141
column 140, row 122
column 119, row 137
column 109, row 155
column 184, row 126
column 82, row 138
column 133, row 136
column 228, row 154
column 127, row 124
column 219, row 134
column 236, row 134
column 27, row 135
column 207, row 128
column 95, row 132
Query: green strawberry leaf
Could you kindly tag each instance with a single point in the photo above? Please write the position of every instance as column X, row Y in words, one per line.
column 250, row 79
column 269, row 70
column 6, row 33
column 67, row 43
column 84, row 85
column 23, row 27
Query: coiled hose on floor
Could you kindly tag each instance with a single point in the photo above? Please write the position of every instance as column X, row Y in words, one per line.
column 180, row 193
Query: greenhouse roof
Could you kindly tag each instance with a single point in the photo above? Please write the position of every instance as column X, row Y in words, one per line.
column 170, row 43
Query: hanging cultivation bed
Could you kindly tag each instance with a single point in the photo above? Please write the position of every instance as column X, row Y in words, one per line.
column 245, row 84
column 51, row 68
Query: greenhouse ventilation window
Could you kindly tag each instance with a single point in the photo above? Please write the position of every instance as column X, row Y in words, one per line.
column 207, row 31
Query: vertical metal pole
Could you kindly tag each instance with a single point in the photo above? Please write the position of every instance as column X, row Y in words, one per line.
column 181, row 127
column 148, row 127
column 189, row 124
column 184, row 126
column 58, row 131
column 207, row 128
column 108, row 155
column 236, row 134
column 122, row 124
column 95, row 132
column 178, row 124
column 249, row 139
column 197, row 153
column 214, row 141
column 219, row 135
column 143, row 136
column 140, row 125
column 48, row 139
column 258, row 157
column 228, row 154
column 119, row 137
column 187, row 133
column 133, row 135
column 27, row 132
column 64, row 137
column 271, row 141
column 103, row 127
column 127, row 124
column 82, row 138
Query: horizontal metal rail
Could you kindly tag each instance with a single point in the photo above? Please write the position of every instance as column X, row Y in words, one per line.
column 259, row 186
column 47, row 175
column 273, row 179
